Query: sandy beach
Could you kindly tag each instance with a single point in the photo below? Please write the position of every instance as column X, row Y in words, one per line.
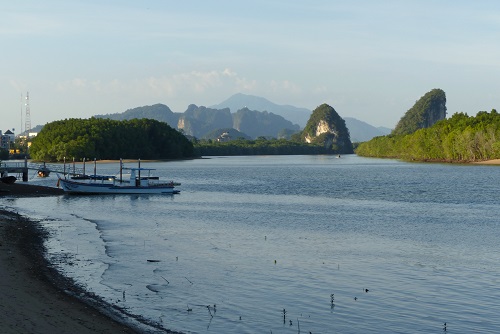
column 33, row 298
column 489, row 162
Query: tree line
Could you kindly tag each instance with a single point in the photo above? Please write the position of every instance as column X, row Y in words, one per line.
column 461, row 138
column 103, row 138
column 259, row 146
column 109, row 139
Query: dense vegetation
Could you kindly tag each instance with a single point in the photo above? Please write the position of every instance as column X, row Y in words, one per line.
column 460, row 138
column 109, row 139
column 429, row 109
column 260, row 146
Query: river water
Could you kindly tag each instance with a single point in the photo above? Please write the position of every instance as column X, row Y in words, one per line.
column 289, row 244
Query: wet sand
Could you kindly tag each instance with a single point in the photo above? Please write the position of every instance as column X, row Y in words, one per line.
column 30, row 301
column 33, row 297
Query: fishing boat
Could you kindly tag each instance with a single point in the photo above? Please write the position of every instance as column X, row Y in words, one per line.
column 140, row 182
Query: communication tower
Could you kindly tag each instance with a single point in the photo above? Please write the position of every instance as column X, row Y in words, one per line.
column 27, row 118
column 21, row 128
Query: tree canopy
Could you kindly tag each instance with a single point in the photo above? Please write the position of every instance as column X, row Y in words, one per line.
column 259, row 146
column 109, row 139
column 459, row 138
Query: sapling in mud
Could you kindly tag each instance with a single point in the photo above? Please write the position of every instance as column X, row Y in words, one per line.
column 208, row 308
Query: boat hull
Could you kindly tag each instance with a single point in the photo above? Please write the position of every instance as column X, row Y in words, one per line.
column 73, row 187
column 8, row 179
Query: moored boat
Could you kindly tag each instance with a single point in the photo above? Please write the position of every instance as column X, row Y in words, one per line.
column 136, row 184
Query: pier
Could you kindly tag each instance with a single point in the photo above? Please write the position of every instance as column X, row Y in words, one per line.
column 23, row 168
column 8, row 167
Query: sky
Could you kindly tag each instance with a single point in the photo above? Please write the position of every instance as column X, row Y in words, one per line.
column 371, row 60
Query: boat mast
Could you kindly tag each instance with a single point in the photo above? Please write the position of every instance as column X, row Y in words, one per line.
column 139, row 171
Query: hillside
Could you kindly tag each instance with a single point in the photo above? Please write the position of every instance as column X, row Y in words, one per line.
column 253, row 115
column 326, row 127
column 226, row 134
column 256, row 123
column 360, row 131
column 239, row 101
column 159, row 112
column 429, row 109
column 198, row 121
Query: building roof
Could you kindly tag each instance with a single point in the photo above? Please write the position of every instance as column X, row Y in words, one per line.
column 8, row 132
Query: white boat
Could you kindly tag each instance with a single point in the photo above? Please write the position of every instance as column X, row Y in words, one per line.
column 139, row 182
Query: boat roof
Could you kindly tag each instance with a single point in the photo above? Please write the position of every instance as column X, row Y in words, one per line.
column 135, row 168
column 93, row 176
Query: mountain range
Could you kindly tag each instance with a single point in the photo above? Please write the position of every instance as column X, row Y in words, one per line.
column 252, row 116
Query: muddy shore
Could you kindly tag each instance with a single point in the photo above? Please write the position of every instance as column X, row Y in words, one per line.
column 34, row 297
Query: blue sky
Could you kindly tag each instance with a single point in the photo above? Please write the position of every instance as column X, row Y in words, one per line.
column 368, row 59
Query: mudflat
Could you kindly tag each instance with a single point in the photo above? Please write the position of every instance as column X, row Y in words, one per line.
column 32, row 298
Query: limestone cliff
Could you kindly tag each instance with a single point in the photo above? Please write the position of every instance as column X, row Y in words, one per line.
column 197, row 121
column 327, row 128
column 429, row 109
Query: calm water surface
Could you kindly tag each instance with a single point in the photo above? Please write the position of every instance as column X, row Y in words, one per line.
column 258, row 235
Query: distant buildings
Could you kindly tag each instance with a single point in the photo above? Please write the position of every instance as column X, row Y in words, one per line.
column 224, row 137
column 6, row 138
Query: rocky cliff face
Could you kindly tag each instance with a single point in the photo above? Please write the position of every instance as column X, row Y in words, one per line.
column 197, row 121
column 435, row 112
column 261, row 123
column 428, row 110
column 327, row 128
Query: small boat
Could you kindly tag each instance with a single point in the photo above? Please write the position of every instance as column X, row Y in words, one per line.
column 103, row 184
column 43, row 171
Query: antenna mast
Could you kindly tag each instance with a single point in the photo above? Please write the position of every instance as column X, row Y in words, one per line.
column 21, row 129
column 27, row 118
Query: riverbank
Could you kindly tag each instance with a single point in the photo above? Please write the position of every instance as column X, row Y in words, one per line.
column 36, row 298
column 489, row 162
column 31, row 302
column 28, row 190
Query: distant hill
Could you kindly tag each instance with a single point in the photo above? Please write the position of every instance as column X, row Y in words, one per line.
column 429, row 109
column 232, row 134
column 327, row 128
column 255, row 116
column 198, row 121
column 361, row 131
column 239, row 101
column 159, row 112
column 384, row 130
column 261, row 123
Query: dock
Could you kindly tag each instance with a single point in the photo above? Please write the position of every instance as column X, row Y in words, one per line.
column 8, row 167
column 23, row 168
